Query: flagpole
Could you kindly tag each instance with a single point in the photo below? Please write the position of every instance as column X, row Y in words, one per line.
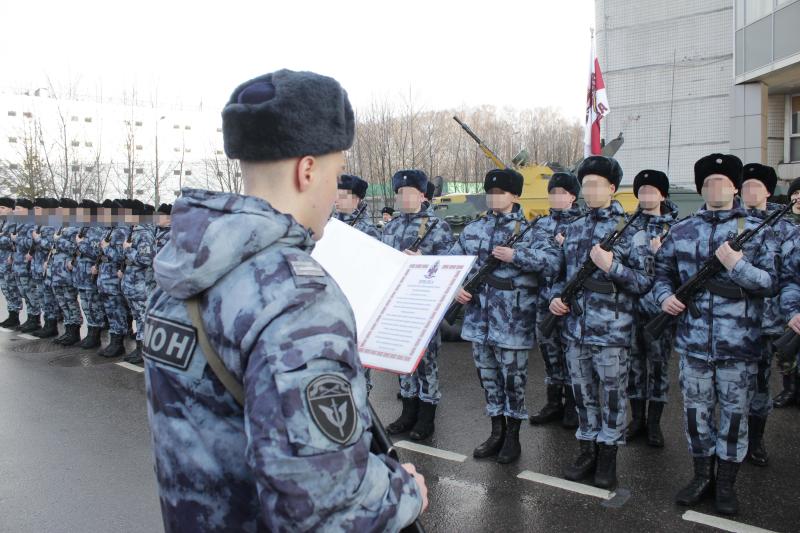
column 671, row 105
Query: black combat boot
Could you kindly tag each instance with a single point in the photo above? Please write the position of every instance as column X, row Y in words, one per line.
column 605, row 475
column 492, row 445
column 135, row 357
column 756, row 452
column 701, row 484
column 12, row 321
column 115, row 348
column 63, row 336
column 570, row 420
column 787, row 395
column 552, row 410
column 49, row 330
column 725, row 501
column 92, row 338
column 638, row 425
column 654, row 436
column 72, row 336
column 511, row 447
column 584, row 464
column 32, row 324
column 408, row 417
column 424, row 427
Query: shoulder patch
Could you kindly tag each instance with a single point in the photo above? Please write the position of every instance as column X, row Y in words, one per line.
column 305, row 267
column 333, row 410
column 169, row 342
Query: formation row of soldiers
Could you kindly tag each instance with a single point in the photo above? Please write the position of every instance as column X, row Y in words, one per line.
column 599, row 359
column 69, row 261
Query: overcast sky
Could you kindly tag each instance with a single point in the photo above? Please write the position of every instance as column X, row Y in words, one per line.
column 447, row 53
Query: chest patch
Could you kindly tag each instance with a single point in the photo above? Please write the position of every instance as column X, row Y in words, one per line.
column 332, row 407
column 168, row 342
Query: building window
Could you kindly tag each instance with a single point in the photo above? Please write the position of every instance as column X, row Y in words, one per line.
column 176, row 126
column 12, row 139
column 140, row 171
column 187, row 150
column 89, row 169
column 219, row 152
column 794, row 140
column 176, row 172
column 74, row 118
column 219, row 130
column 138, row 146
column 27, row 114
column 127, row 171
column 88, row 144
column 219, row 174
column 13, row 166
column 176, row 149
column 12, row 113
column 138, row 122
column 238, row 174
column 187, row 128
column 76, row 143
column 88, row 119
column 187, row 173
column 76, row 168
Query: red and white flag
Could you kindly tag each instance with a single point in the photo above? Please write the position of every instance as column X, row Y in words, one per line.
column 596, row 106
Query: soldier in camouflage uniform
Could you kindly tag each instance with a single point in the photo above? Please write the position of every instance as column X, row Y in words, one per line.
column 42, row 243
column 350, row 204
column 61, row 278
column 290, row 451
column 648, row 382
column 163, row 226
column 22, row 268
column 719, row 340
column 598, row 326
column 758, row 184
column 790, row 392
column 83, row 259
column 499, row 319
column 108, row 282
column 420, row 390
column 139, row 248
column 8, row 283
column 563, row 189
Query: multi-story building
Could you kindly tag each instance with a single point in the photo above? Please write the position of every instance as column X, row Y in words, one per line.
column 688, row 78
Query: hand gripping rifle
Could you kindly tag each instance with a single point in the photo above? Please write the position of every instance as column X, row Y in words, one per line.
column 693, row 286
column 575, row 285
column 38, row 230
column 101, row 254
column 129, row 240
column 382, row 444
column 421, row 239
column 56, row 236
column 81, row 235
column 489, row 266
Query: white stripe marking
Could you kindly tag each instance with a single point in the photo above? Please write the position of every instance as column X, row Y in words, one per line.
column 6, row 329
column 571, row 486
column 31, row 337
column 722, row 523
column 129, row 366
column 428, row 450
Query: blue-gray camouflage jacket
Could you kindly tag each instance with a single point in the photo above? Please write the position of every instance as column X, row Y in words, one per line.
column 551, row 225
column 63, row 249
column 364, row 223
column 88, row 252
column 656, row 226
column 297, row 456
column 6, row 246
column 403, row 230
column 727, row 328
column 137, row 277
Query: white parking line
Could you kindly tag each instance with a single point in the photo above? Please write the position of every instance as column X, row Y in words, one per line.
column 26, row 336
column 129, row 366
column 722, row 523
column 428, row 450
column 559, row 483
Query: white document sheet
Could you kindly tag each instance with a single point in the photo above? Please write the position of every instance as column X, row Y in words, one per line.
column 398, row 300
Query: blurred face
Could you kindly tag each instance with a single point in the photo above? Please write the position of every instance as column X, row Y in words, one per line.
column 346, row 201
column 649, row 197
column 560, row 198
column 409, row 199
column 500, row 200
column 19, row 210
column 82, row 215
column 163, row 220
column 387, row 217
column 718, row 191
column 754, row 193
column 597, row 191
column 5, row 210
column 796, row 207
column 321, row 189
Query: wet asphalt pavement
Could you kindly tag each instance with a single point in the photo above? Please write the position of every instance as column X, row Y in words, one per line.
column 75, row 456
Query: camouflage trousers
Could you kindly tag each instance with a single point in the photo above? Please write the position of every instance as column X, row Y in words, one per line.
column 599, row 382
column 503, row 374
column 704, row 384
column 67, row 298
column 8, row 284
column 761, row 404
column 92, row 307
column 424, row 382
column 649, row 371
column 33, row 305
column 555, row 361
column 117, row 312
column 137, row 308
column 48, row 299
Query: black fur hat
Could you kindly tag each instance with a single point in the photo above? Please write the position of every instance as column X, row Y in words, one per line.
column 24, row 202
column 410, row 178
column 88, row 204
column 354, row 184
column 793, row 187
column 725, row 164
column 165, row 209
column 762, row 173
column 565, row 180
column 656, row 178
column 67, row 202
column 506, row 179
column 608, row 167
column 286, row 114
column 5, row 201
column 387, row 211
